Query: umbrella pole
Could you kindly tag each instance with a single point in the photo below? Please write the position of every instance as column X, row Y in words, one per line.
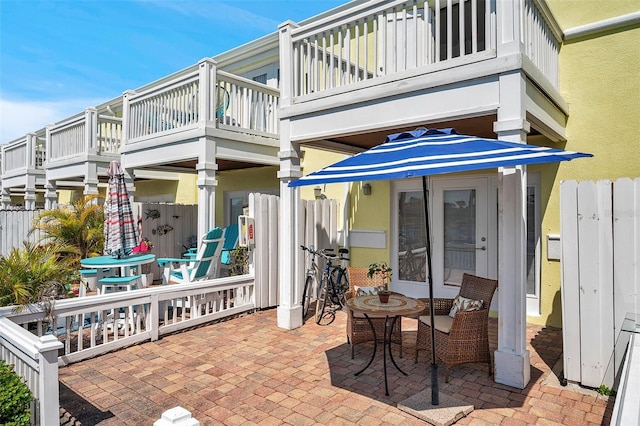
column 435, row 400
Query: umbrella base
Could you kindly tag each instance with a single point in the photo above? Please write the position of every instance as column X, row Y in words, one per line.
column 446, row 413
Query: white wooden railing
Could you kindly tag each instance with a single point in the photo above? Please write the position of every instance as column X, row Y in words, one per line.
column 380, row 38
column 35, row 359
column 202, row 97
column 91, row 326
column 87, row 133
column 541, row 37
column 23, row 154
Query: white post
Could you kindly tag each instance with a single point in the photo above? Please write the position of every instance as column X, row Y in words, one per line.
column 90, row 130
column 90, row 178
column 207, row 183
column 126, row 118
column 509, row 21
column 177, row 416
column 49, row 398
column 50, row 195
column 511, row 360
column 289, row 308
column 30, row 185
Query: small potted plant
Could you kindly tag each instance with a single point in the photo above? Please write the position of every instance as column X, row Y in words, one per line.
column 384, row 271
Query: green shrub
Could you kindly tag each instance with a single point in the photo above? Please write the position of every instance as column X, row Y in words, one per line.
column 15, row 398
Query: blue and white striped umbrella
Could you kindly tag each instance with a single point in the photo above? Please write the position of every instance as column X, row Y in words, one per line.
column 426, row 152
column 120, row 231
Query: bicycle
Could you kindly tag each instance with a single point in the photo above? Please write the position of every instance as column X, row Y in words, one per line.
column 330, row 294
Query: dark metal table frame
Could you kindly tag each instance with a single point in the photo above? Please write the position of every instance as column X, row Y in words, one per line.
column 386, row 338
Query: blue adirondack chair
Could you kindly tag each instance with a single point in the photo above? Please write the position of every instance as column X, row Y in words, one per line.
column 230, row 243
column 204, row 266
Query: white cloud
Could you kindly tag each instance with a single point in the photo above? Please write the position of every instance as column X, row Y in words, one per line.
column 17, row 118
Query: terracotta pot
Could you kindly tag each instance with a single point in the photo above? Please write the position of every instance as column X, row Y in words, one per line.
column 384, row 297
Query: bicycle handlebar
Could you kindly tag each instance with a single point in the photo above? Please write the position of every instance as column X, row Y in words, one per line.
column 327, row 253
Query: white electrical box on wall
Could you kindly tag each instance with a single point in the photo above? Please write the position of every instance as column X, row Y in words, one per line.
column 553, row 247
column 246, row 231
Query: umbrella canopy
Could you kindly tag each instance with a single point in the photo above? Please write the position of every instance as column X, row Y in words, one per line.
column 425, row 152
column 120, row 232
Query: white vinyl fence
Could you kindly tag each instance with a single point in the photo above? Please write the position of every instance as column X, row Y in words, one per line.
column 14, row 229
column 171, row 228
column 600, row 231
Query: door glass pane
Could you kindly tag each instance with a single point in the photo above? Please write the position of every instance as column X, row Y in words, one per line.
column 531, row 240
column 236, row 206
column 459, row 234
column 411, row 237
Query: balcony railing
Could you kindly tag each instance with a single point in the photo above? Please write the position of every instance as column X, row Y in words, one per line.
column 88, row 133
column 208, row 98
column 378, row 39
column 27, row 153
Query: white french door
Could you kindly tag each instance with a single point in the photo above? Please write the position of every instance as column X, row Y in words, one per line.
column 462, row 238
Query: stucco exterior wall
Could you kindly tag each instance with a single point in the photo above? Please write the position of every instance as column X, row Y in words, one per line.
column 599, row 79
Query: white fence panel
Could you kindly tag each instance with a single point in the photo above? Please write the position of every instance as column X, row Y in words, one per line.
column 265, row 210
column 14, row 229
column 600, row 228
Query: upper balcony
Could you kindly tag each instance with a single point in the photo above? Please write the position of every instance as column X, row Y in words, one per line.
column 93, row 136
column 22, row 157
column 201, row 101
column 380, row 52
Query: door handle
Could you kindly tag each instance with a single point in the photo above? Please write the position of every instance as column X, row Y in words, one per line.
column 483, row 248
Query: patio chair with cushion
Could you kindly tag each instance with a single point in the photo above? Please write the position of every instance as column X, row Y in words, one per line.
column 461, row 325
column 205, row 264
column 358, row 328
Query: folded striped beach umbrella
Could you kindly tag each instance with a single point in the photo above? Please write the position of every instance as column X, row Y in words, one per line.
column 120, row 231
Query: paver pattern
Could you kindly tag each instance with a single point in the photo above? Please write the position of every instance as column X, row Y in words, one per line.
column 248, row 371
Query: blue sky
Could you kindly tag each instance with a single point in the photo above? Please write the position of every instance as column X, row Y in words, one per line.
column 59, row 57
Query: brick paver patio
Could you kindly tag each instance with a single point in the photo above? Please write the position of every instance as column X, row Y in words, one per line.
column 249, row 371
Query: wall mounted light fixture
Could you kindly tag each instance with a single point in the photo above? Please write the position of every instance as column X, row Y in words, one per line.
column 366, row 189
column 317, row 192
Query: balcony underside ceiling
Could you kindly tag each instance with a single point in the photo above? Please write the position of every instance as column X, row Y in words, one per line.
column 477, row 126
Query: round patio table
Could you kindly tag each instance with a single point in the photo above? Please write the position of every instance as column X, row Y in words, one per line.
column 124, row 263
column 398, row 306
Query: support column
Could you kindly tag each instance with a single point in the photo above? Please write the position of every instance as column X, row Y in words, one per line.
column 290, row 267
column 207, row 183
column 511, row 360
column 30, row 192
column 90, row 179
column 5, row 198
column 50, row 195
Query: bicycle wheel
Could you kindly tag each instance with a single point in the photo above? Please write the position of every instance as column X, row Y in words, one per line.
column 323, row 298
column 339, row 288
column 306, row 297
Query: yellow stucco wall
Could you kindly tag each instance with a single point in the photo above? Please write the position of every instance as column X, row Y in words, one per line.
column 314, row 159
column 254, row 179
column 371, row 212
column 599, row 79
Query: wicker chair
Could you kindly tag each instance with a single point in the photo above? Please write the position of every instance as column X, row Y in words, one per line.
column 358, row 328
column 467, row 339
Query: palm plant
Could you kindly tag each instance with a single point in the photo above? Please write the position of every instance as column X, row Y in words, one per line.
column 34, row 274
column 77, row 229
